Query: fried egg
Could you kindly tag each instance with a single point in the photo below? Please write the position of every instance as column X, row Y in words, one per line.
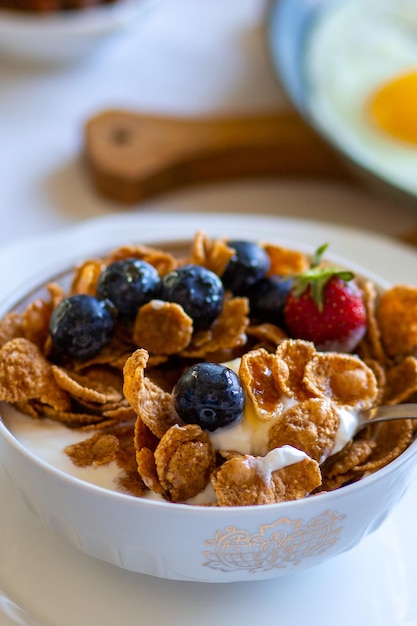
column 393, row 107
column 361, row 77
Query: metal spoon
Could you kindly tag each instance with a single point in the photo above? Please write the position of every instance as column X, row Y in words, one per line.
column 385, row 413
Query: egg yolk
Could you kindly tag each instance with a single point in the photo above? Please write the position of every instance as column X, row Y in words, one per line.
column 393, row 107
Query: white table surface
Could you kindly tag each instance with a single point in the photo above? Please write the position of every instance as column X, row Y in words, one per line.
column 190, row 57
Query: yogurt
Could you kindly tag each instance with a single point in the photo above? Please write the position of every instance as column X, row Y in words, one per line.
column 251, row 435
column 46, row 439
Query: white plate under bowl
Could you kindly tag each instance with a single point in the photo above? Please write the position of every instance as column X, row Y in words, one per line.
column 63, row 37
column 44, row 581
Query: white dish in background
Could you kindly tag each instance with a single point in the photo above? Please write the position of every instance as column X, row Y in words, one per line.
column 354, row 48
column 68, row 35
column 372, row 584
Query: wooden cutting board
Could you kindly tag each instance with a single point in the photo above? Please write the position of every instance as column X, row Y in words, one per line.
column 132, row 156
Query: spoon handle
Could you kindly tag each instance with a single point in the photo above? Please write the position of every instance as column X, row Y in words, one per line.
column 391, row 412
column 131, row 156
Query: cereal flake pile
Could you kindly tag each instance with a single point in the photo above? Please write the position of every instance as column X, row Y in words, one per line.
column 122, row 393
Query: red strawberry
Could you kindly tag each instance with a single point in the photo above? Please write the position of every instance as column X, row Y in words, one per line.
column 326, row 307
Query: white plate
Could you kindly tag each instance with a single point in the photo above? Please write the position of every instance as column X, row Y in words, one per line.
column 45, row 582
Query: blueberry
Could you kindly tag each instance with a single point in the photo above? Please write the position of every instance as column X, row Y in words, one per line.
column 210, row 395
column 247, row 266
column 199, row 291
column 129, row 284
column 267, row 299
column 80, row 326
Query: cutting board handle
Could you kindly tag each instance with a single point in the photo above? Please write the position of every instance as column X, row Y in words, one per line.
column 132, row 156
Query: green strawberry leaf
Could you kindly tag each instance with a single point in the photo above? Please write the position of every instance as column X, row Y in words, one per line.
column 318, row 254
column 316, row 278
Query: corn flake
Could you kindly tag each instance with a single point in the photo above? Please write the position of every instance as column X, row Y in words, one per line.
column 284, row 261
column 371, row 345
column 268, row 334
column 401, row 381
column 184, row 460
column 241, row 481
column 85, row 388
column 227, row 331
column 152, row 405
column 11, row 327
column 163, row 262
column 25, row 374
column 255, row 373
column 309, row 426
column 147, row 470
column 212, row 254
column 343, row 378
column 397, row 319
column 35, row 322
column 391, row 439
column 343, row 466
column 162, row 328
column 86, row 277
column 292, row 357
column 100, row 449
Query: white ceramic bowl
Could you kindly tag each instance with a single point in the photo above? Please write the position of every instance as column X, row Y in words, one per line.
column 178, row 541
column 54, row 38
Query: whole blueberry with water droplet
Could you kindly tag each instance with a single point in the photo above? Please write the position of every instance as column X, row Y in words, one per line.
column 246, row 267
column 210, row 395
column 128, row 283
column 267, row 299
column 80, row 326
column 199, row 291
